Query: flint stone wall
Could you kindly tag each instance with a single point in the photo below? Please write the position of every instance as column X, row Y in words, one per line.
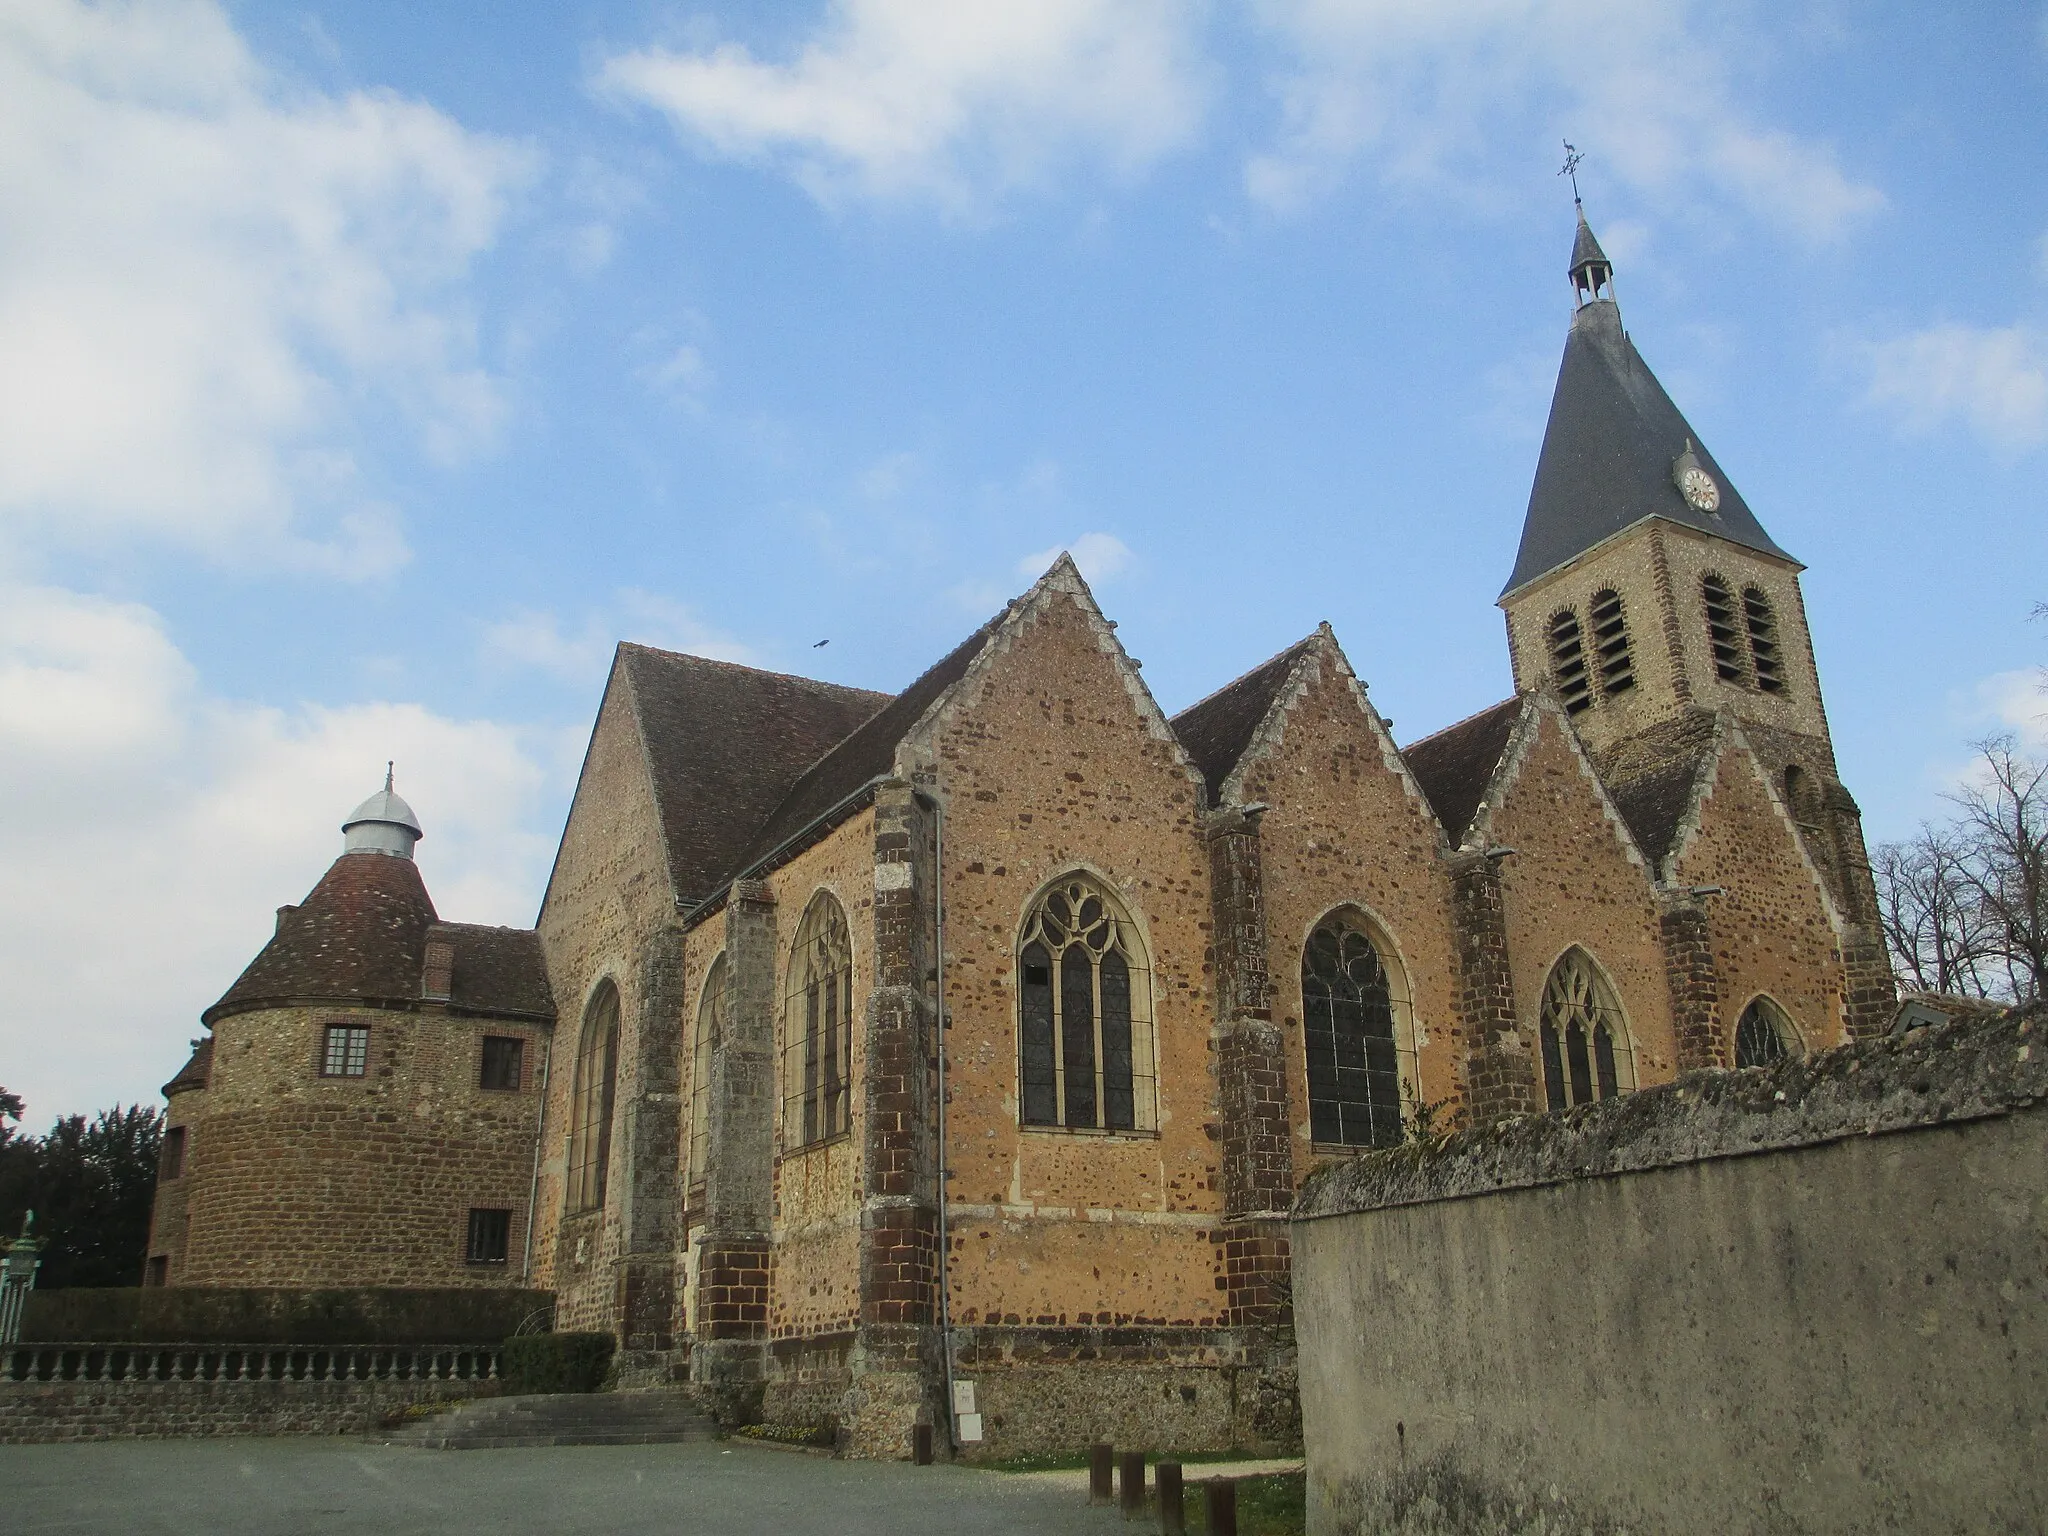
column 1802, row 1300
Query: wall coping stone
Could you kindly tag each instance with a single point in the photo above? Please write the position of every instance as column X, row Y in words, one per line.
column 1969, row 1069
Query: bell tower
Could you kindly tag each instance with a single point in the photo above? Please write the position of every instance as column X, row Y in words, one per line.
column 1649, row 598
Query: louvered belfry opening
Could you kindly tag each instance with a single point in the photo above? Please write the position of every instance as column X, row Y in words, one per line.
column 1763, row 640
column 1723, row 631
column 1568, row 663
column 1610, row 644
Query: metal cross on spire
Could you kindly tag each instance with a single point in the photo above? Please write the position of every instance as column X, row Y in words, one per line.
column 1572, row 157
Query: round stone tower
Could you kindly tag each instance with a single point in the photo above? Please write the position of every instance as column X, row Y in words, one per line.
column 364, row 1110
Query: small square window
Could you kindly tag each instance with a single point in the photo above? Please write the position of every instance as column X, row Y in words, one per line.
column 173, row 1163
column 348, row 1051
column 490, row 1235
column 504, row 1061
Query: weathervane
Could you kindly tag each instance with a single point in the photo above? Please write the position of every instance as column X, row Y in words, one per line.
column 1572, row 157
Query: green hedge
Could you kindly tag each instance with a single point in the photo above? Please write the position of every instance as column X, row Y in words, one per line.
column 237, row 1315
column 556, row 1362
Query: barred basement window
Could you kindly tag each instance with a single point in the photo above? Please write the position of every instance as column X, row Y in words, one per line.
column 710, row 1026
column 1349, row 1033
column 490, row 1236
column 1610, row 644
column 504, row 1063
column 1764, row 1036
column 172, row 1164
column 1568, row 662
column 1763, row 640
column 817, row 1028
column 1084, row 997
column 590, row 1106
column 347, row 1051
column 1583, row 1036
column 1722, row 634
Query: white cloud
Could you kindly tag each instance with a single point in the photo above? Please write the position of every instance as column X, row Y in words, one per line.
column 954, row 103
column 208, row 283
column 1993, row 379
column 2017, row 702
column 534, row 639
column 1427, row 91
column 152, row 828
column 1102, row 557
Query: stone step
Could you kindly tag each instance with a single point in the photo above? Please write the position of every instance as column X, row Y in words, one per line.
column 593, row 1418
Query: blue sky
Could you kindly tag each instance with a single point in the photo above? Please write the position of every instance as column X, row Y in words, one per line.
column 368, row 370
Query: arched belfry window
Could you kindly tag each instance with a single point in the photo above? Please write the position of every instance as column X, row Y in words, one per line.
column 1351, row 1034
column 817, row 1027
column 1766, row 665
column 1583, row 1036
column 1568, row 662
column 590, row 1105
column 1611, row 655
column 1724, row 637
column 1084, row 998
column 1764, row 1036
column 710, row 1026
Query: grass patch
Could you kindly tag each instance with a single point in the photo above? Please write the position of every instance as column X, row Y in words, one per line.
column 1266, row 1506
column 790, row 1434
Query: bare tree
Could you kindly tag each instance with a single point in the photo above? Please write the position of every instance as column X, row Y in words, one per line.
column 2003, row 826
column 1939, row 938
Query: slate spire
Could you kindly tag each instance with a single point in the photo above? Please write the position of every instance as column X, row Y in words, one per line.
column 1616, row 450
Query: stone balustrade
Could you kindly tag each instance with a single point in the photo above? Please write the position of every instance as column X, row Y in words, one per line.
column 249, row 1363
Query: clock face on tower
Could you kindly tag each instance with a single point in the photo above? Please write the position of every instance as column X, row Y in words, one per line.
column 1699, row 489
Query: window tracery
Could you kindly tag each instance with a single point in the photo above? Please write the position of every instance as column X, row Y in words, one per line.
column 1583, row 1036
column 1085, row 1041
column 1350, row 1036
column 1764, row 1036
column 817, row 1028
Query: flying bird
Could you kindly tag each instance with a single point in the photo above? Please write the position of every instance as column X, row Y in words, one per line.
column 821, row 643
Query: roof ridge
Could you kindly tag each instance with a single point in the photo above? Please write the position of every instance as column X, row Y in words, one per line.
column 1513, row 698
column 740, row 666
column 1247, row 672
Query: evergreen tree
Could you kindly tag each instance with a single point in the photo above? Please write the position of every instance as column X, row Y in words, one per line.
column 91, row 1184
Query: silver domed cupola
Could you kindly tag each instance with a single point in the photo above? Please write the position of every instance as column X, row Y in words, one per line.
column 382, row 824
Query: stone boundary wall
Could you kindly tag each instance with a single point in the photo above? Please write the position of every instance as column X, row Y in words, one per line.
column 46, row 1412
column 1809, row 1299
column 391, row 1315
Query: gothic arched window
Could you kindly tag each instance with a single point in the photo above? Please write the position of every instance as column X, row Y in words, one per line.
column 1568, row 662
column 1723, row 635
column 817, row 1027
column 590, row 1105
column 1767, row 666
column 1084, row 1002
column 1611, row 656
column 1764, row 1036
column 710, row 1026
column 1583, row 1036
column 1350, row 1036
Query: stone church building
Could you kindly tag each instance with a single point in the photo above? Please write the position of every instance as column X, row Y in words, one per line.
column 983, row 1032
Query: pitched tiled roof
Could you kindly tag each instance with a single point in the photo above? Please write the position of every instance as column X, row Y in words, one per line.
column 869, row 752
column 497, row 970
column 1455, row 765
column 1608, row 452
column 1215, row 731
column 195, row 1073
column 1650, row 775
column 725, row 743
column 360, row 936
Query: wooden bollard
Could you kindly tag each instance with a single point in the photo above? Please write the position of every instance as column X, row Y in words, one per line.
column 1173, row 1517
column 1220, row 1494
column 1101, row 1463
column 921, row 1444
column 1131, row 1483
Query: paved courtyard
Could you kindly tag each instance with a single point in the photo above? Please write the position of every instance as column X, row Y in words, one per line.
column 291, row 1486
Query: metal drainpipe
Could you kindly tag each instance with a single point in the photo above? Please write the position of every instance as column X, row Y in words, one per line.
column 945, row 1253
column 540, row 1136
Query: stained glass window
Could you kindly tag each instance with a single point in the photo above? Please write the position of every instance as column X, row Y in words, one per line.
column 818, row 1027
column 1085, row 1050
column 1348, row 1034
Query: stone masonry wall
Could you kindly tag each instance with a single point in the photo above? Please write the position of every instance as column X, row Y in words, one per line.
column 1801, row 1300
column 608, row 897
column 50, row 1412
column 354, row 1180
column 1573, row 880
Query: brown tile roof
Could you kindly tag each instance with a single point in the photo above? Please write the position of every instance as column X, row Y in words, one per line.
column 360, row 937
column 1216, row 731
column 725, row 743
column 1650, row 778
column 866, row 754
column 196, row 1072
column 1455, row 766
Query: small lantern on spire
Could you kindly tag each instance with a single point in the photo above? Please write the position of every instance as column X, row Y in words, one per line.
column 1592, row 274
